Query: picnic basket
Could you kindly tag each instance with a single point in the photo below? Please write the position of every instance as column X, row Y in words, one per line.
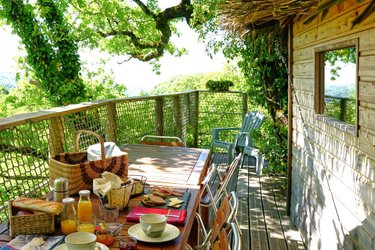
column 80, row 172
column 37, row 223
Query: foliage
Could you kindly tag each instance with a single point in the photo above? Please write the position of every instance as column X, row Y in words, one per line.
column 266, row 140
column 24, row 98
column 133, row 29
column 51, row 51
column 262, row 60
column 221, row 85
column 198, row 81
column 345, row 55
column 27, row 97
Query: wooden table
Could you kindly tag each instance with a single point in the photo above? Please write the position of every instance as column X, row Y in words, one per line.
column 162, row 165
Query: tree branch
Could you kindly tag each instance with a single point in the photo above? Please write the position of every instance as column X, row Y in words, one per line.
column 144, row 8
column 156, row 49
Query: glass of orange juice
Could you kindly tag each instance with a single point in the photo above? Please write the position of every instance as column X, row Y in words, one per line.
column 86, row 226
column 68, row 226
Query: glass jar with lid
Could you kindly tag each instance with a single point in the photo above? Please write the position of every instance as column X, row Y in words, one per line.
column 68, row 217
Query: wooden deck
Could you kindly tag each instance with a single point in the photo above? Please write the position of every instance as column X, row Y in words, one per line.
column 262, row 214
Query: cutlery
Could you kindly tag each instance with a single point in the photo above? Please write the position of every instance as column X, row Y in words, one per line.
column 167, row 215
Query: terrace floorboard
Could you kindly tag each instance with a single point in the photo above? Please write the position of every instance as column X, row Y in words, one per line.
column 262, row 213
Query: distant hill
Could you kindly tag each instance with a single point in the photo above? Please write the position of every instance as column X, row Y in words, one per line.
column 347, row 91
column 8, row 80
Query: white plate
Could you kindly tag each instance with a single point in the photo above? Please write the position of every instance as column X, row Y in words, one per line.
column 63, row 246
column 170, row 233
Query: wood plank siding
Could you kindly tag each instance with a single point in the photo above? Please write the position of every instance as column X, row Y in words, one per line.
column 333, row 169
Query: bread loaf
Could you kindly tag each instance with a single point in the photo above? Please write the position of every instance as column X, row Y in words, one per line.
column 32, row 204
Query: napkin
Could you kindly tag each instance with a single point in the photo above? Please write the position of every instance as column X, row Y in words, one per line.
column 106, row 183
column 137, row 211
column 110, row 149
column 33, row 242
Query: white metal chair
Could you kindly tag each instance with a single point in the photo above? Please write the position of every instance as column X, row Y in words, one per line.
column 224, row 218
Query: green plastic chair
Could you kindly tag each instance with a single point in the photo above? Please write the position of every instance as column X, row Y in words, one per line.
column 252, row 121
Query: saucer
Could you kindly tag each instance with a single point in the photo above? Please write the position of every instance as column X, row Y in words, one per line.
column 170, row 233
column 63, row 246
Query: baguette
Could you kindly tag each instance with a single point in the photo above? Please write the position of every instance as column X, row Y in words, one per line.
column 32, row 204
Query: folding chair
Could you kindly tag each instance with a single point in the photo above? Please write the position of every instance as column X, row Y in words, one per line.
column 234, row 240
column 177, row 142
column 224, row 218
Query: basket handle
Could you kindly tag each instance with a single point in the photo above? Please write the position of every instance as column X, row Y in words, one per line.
column 102, row 152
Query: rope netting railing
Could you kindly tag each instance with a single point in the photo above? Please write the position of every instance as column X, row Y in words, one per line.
column 28, row 140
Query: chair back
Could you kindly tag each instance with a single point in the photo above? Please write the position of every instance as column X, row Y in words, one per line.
column 225, row 215
column 252, row 121
column 224, row 238
column 171, row 140
column 227, row 179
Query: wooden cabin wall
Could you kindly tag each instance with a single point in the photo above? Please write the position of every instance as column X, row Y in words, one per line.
column 333, row 171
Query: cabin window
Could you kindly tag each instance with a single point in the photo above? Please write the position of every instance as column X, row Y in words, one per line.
column 336, row 82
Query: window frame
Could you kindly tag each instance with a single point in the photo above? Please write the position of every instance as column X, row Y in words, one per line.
column 319, row 88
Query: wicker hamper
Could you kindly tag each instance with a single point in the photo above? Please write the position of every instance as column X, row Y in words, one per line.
column 37, row 223
column 79, row 171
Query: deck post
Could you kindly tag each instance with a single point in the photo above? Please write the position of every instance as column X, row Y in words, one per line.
column 56, row 141
column 111, row 126
column 177, row 115
column 196, row 119
column 159, row 115
column 290, row 119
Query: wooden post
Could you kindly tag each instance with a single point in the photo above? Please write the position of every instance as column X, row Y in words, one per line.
column 185, row 115
column 244, row 104
column 177, row 115
column 290, row 120
column 159, row 116
column 56, row 141
column 196, row 119
column 111, row 126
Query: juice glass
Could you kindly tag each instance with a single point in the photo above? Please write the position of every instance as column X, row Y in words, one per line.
column 86, row 226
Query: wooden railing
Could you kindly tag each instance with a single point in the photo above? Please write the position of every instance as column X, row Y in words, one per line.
column 341, row 108
column 28, row 140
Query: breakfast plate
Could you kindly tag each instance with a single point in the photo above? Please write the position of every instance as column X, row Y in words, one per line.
column 170, row 233
column 63, row 246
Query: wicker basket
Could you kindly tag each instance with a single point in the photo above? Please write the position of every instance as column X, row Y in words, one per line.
column 37, row 223
column 119, row 197
column 79, row 171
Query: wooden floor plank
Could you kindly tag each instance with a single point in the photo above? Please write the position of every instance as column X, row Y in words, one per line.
column 258, row 233
column 275, row 231
column 262, row 211
column 292, row 235
column 243, row 219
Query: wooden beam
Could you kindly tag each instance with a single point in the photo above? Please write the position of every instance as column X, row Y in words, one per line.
column 290, row 118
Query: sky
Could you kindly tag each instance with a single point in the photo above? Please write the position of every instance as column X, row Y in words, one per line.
column 136, row 75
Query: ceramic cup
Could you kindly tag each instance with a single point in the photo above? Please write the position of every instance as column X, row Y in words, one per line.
column 81, row 241
column 153, row 225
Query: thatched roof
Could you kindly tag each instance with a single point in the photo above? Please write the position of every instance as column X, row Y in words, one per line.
column 244, row 16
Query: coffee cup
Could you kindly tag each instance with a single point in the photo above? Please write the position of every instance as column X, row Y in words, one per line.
column 153, row 225
column 81, row 241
